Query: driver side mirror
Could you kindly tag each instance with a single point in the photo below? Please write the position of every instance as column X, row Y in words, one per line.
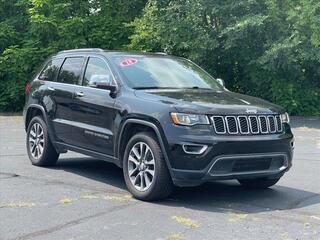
column 102, row 82
column 221, row 82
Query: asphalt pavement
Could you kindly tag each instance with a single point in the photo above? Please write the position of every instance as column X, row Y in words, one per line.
column 84, row 198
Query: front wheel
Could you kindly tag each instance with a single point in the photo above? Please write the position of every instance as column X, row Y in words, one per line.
column 39, row 147
column 258, row 183
column 145, row 171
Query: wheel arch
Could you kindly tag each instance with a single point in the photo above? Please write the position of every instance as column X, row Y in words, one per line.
column 38, row 110
column 32, row 111
column 125, row 134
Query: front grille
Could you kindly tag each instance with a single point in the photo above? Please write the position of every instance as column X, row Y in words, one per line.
column 245, row 125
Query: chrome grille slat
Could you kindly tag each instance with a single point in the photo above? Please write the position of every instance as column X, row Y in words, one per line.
column 243, row 125
column 247, row 124
column 263, row 124
column 219, row 124
column 254, row 126
column 232, row 126
column 278, row 123
column 272, row 124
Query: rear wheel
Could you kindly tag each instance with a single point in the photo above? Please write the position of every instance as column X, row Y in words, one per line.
column 145, row 171
column 258, row 183
column 39, row 147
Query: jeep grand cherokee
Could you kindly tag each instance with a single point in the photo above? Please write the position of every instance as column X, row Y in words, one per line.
column 162, row 119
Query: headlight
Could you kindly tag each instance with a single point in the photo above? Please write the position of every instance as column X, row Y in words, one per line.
column 285, row 118
column 189, row 119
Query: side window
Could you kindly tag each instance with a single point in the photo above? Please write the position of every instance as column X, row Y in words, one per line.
column 71, row 70
column 97, row 72
column 51, row 70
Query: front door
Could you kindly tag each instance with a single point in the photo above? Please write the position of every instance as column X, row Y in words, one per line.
column 94, row 109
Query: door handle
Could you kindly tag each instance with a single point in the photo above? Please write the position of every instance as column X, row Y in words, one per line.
column 79, row 94
column 51, row 89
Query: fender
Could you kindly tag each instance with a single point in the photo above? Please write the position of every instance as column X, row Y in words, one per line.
column 158, row 134
column 45, row 117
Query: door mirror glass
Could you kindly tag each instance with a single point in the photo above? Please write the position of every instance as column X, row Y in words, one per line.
column 221, row 82
column 99, row 80
column 102, row 82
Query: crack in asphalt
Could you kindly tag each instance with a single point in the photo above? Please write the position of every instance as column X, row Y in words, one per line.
column 72, row 223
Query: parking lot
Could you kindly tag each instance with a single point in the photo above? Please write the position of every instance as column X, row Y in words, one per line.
column 84, row 198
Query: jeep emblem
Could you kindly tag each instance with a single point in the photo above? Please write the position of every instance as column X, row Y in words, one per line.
column 254, row 111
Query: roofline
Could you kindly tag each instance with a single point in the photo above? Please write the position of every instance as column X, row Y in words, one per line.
column 82, row 50
column 101, row 51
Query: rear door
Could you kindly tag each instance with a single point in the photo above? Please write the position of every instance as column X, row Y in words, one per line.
column 94, row 108
column 46, row 82
column 63, row 91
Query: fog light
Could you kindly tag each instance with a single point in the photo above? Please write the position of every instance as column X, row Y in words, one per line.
column 194, row 148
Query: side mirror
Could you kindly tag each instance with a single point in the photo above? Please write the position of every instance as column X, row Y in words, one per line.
column 102, row 82
column 221, row 82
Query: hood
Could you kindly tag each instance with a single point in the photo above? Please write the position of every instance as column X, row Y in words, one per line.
column 210, row 102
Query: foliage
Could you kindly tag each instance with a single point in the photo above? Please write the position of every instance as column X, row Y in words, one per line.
column 31, row 30
column 265, row 48
column 268, row 49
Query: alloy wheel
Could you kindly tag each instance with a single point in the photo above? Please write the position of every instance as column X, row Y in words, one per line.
column 36, row 140
column 141, row 166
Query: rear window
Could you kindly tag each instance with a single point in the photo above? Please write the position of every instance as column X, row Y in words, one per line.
column 71, row 70
column 50, row 71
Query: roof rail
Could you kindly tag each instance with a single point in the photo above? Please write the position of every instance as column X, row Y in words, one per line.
column 161, row 53
column 82, row 50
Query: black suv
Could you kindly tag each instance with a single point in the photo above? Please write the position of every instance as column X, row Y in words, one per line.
column 163, row 119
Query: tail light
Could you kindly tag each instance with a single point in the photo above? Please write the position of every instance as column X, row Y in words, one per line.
column 27, row 88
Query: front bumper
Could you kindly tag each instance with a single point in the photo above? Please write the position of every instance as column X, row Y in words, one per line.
column 230, row 157
column 243, row 166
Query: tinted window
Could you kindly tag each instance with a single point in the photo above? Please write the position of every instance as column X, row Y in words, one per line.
column 51, row 70
column 164, row 72
column 71, row 70
column 96, row 71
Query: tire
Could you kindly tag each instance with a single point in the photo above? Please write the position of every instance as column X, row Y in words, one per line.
column 37, row 132
column 258, row 183
column 161, row 183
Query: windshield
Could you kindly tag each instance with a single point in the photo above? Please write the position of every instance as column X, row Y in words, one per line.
column 148, row 72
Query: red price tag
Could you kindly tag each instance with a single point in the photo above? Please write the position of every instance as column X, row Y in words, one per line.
column 128, row 62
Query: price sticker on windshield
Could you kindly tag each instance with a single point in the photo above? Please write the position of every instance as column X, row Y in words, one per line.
column 128, row 62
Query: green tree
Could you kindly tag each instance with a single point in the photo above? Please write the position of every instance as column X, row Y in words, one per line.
column 31, row 30
column 264, row 48
column 268, row 49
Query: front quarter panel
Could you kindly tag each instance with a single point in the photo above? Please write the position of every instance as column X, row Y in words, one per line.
column 131, row 107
